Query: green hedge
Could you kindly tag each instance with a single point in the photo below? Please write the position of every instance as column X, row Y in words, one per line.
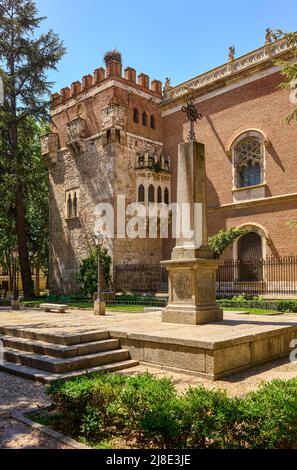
column 149, row 412
column 244, row 301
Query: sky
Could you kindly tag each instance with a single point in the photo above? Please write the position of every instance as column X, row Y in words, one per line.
column 162, row 38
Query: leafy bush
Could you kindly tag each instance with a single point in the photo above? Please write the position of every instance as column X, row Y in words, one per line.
column 141, row 395
column 269, row 415
column 87, row 275
column 84, row 402
column 149, row 411
column 287, row 306
column 219, row 242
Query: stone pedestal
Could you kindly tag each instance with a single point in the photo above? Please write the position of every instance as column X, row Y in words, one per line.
column 15, row 305
column 99, row 308
column 192, row 292
column 192, row 269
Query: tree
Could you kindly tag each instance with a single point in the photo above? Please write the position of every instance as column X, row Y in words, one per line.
column 35, row 183
column 289, row 70
column 219, row 242
column 25, row 59
column 87, row 275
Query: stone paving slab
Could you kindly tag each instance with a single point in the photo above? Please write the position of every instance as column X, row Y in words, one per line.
column 233, row 327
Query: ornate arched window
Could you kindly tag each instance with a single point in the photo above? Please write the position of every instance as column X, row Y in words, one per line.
column 136, row 116
column 159, row 194
column 144, row 119
column 141, row 193
column 153, row 122
column 248, row 161
column 166, row 196
column 151, row 193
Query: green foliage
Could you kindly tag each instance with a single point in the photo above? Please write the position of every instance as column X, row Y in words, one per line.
column 269, row 416
column 142, row 395
column 87, row 275
column 287, row 306
column 25, row 59
column 213, row 418
column 157, row 167
column 149, row 411
column 219, row 242
column 84, row 403
column 289, row 69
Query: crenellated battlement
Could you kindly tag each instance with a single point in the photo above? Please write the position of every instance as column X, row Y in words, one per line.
column 113, row 70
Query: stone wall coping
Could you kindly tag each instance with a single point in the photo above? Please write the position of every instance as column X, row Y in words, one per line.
column 271, row 330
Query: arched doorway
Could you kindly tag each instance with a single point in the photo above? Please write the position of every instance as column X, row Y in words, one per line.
column 250, row 255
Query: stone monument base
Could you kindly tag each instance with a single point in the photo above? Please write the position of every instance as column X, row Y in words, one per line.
column 15, row 305
column 192, row 291
column 99, row 308
column 192, row 315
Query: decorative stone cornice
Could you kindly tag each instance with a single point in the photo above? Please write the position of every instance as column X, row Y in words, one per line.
column 259, row 56
column 255, row 202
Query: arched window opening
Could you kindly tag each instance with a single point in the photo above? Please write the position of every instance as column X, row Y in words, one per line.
column 151, row 161
column 136, row 116
column 249, row 162
column 144, row 119
column 159, row 195
column 141, row 193
column 151, row 193
column 153, row 122
column 75, row 205
column 140, row 161
column 166, row 196
column 69, row 207
column 250, row 255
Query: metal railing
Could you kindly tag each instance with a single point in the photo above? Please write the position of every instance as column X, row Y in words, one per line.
column 269, row 276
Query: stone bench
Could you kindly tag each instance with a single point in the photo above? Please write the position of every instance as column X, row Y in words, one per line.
column 61, row 308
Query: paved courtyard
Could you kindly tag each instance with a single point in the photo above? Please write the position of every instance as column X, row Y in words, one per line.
column 148, row 324
column 18, row 393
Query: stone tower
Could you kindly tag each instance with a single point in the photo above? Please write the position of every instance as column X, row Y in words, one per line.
column 106, row 140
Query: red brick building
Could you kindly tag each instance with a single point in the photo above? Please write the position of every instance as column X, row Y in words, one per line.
column 115, row 135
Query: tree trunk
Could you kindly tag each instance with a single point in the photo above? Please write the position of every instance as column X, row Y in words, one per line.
column 20, row 224
column 37, row 283
column 24, row 259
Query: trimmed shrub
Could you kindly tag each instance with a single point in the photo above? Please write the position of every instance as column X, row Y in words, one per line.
column 149, row 411
column 141, row 395
column 287, row 306
column 214, row 419
column 269, row 416
column 84, row 402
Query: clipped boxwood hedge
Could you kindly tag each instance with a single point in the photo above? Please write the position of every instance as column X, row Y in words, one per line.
column 149, row 412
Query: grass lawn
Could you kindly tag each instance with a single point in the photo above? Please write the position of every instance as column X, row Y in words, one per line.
column 254, row 311
column 140, row 308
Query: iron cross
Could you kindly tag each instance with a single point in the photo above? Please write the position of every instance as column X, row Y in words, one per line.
column 192, row 115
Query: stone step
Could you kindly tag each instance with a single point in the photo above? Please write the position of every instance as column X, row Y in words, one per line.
column 58, row 350
column 67, row 339
column 48, row 377
column 59, row 365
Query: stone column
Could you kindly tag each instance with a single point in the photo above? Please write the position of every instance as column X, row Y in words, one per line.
column 192, row 269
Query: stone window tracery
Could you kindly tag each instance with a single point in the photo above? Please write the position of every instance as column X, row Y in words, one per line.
column 248, row 162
